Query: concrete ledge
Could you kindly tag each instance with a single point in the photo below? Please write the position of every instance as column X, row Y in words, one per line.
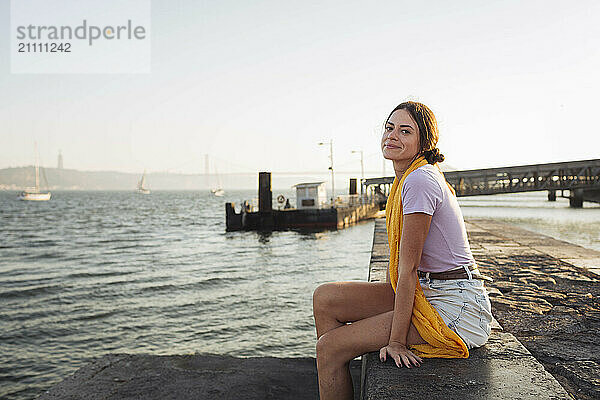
column 502, row 369
column 193, row 376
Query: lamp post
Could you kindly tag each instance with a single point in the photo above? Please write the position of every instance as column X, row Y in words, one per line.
column 362, row 169
column 331, row 168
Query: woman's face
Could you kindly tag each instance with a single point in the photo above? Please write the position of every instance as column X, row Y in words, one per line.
column 400, row 140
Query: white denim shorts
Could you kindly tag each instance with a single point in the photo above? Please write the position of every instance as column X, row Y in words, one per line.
column 464, row 306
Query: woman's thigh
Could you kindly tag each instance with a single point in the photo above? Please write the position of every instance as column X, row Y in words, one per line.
column 342, row 344
column 353, row 301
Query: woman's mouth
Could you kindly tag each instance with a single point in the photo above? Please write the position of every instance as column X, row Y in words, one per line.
column 389, row 146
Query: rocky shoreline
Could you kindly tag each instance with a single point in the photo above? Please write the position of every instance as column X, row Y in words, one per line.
column 545, row 292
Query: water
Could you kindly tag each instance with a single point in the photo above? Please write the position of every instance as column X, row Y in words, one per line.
column 89, row 273
column 533, row 211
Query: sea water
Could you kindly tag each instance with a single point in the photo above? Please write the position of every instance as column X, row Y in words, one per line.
column 90, row 273
column 533, row 211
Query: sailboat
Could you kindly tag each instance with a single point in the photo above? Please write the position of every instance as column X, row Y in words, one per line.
column 140, row 187
column 34, row 194
column 218, row 191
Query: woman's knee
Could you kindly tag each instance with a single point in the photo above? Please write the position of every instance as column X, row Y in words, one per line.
column 328, row 352
column 323, row 297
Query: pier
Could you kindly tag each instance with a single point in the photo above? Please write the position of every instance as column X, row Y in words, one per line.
column 581, row 179
column 312, row 210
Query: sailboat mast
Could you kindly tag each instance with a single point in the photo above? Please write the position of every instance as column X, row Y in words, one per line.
column 37, row 170
column 206, row 171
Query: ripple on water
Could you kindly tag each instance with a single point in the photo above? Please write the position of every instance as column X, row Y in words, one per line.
column 30, row 291
column 96, row 274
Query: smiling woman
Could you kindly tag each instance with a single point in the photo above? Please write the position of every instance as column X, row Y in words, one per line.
column 417, row 135
column 433, row 303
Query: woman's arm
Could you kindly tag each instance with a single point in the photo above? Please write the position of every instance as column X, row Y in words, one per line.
column 415, row 227
column 414, row 232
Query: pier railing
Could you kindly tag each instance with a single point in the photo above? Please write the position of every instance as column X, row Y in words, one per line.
column 352, row 200
column 347, row 200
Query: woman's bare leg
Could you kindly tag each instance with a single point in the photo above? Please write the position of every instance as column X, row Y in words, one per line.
column 336, row 347
column 336, row 303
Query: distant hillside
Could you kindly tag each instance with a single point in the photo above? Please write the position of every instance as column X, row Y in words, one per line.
column 70, row 179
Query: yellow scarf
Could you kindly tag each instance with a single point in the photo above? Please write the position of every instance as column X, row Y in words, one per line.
column 441, row 341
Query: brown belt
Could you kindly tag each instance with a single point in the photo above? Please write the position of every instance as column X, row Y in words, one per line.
column 455, row 274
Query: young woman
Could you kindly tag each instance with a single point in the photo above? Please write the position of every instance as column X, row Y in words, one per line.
column 431, row 245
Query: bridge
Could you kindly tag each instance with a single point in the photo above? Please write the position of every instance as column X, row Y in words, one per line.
column 580, row 178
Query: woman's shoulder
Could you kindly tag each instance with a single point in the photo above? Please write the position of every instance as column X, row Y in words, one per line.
column 421, row 192
column 424, row 176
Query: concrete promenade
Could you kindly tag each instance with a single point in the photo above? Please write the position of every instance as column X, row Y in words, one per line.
column 545, row 294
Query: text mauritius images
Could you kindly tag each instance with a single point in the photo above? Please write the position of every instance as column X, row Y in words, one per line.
column 82, row 32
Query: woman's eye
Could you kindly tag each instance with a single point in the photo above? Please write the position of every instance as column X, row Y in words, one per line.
column 388, row 128
column 406, row 132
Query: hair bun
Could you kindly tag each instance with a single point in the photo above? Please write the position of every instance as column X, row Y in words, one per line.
column 433, row 156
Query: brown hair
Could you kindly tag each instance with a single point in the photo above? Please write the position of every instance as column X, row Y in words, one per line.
column 428, row 129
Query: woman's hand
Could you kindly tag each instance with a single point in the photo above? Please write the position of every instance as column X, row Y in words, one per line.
column 400, row 354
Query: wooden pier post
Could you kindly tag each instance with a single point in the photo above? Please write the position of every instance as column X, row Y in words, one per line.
column 265, row 201
column 265, row 196
column 576, row 198
column 352, row 186
column 233, row 221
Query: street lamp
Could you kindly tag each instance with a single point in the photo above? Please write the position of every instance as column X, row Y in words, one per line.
column 362, row 169
column 331, row 168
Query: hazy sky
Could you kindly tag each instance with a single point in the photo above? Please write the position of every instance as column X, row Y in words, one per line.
column 257, row 84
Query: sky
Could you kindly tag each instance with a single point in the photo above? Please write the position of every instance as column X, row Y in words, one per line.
column 257, row 85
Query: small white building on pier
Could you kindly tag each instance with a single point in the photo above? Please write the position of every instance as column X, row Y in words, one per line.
column 311, row 195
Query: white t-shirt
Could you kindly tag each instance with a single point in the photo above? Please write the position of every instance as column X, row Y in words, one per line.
column 446, row 246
